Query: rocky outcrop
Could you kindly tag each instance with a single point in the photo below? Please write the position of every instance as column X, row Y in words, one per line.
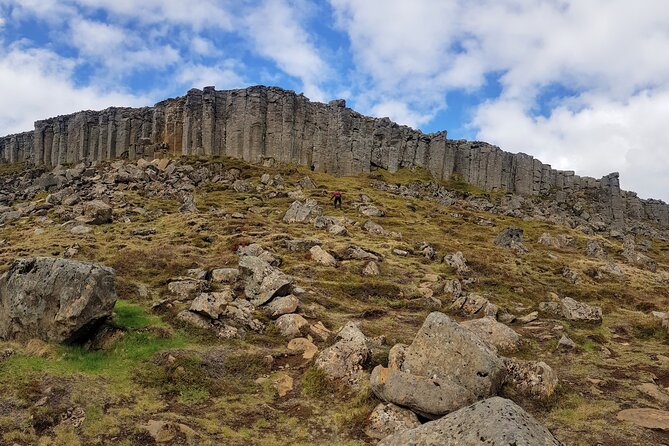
column 268, row 122
column 417, row 376
column 56, row 300
column 495, row 421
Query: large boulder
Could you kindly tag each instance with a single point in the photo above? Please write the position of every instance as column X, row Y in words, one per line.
column 495, row 422
column 299, row 212
column 346, row 358
column 97, row 212
column 387, row 419
column 432, row 386
column 57, row 300
column 262, row 281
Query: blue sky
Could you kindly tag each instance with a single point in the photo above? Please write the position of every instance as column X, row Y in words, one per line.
column 582, row 85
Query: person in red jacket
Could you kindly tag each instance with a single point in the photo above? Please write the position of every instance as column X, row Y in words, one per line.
column 336, row 196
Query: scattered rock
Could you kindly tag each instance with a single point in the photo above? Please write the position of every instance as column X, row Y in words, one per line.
column 303, row 212
column 301, row 244
column 646, row 417
column 565, row 344
column 282, row 305
column 345, row 359
column 284, row 385
column 458, row 262
column 291, row 325
column 387, row 419
column 321, row 256
column 371, row 211
column 56, row 300
column 530, row 379
column 595, row 249
column 572, row 310
column 495, row 421
column 531, row 317
column 371, row 269
column 304, row 345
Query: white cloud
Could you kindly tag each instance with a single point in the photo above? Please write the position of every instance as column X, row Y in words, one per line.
column 275, row 29
column 599, row 137
column 223, row 76
column 607, row 52
column 399, row 112
column 119, row 50
column 37, row 83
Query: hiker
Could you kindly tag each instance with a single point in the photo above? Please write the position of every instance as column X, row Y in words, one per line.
column 336, row 196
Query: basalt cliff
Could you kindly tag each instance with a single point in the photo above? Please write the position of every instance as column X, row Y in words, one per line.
column 268, row 122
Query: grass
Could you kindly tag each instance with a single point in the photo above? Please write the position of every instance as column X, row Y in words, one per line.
column 132, row 385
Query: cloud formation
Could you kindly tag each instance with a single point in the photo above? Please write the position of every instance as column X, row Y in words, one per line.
column 580, row 84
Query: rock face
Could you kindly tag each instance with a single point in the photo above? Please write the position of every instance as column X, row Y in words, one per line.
column 423, row 381
column 55, row 300
column 267, row 122
column 495, row 422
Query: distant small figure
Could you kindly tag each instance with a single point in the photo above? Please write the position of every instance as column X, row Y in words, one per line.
column 336, row 196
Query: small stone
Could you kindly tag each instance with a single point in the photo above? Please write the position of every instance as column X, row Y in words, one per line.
column 371, row 269
column 284, row 385
column 321, row 256
column 565, row 344
column 304, row 345
column 291, row 325
column 387, row 419
column 646, row 417
column 533, row 316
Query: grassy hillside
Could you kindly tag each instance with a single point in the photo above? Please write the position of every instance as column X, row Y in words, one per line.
column 121, row 388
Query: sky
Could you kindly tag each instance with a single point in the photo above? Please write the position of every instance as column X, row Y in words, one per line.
column 582, row 85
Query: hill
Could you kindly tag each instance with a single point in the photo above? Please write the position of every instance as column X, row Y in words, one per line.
column 192, row 356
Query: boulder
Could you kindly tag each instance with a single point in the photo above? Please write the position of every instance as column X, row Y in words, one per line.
column 371, row 269
column 346, row 358
column 291, row 325
column 212, row 304
column 594, row 249
column 282, row 305
column 301, row 244
column 457, row 261
column 431, row 386
column 262, row 281
column 495, row 421
column 509, row 237
column 224, row 275
column 387, row 419
column 530, row 378
column 319, row 255
column 58, row 300
column 572, row 310
column 303, row 212
column 97, row 212
column 495, row 334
